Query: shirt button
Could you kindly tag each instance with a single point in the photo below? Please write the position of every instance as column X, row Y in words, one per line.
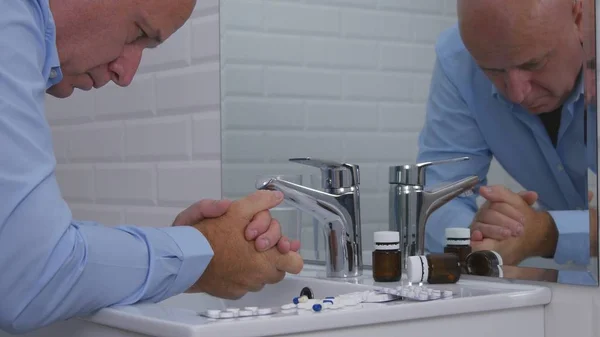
column 53, row 73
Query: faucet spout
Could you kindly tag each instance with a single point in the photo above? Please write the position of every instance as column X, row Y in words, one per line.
column 432, row 200
column 340, row 219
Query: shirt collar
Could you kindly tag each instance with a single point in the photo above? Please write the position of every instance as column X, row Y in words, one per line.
column 578, row 91
column 55, row 74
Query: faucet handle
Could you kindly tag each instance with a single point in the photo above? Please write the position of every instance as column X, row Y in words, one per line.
column 414, row 174
column 334, row 175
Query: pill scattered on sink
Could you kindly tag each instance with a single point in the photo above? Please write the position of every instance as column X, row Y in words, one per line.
column 288, row 306
column 226, row 314
column 245, row 313
column 265, row 311
column 213, row 313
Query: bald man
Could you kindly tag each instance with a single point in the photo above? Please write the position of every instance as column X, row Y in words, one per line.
column 53, row 267
column 507, row 84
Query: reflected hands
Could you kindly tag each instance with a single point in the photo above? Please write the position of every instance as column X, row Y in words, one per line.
column 507, row 223
column 265, row 230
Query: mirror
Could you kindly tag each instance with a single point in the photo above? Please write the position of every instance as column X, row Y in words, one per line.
column 384, row 83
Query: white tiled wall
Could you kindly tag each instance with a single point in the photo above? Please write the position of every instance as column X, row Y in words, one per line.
column 345, row 80
column 140, row 154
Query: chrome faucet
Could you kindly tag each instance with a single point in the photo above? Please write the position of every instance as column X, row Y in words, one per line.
column 337, row 208
column 411, row 205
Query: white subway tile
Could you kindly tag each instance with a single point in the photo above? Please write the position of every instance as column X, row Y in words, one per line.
column 78, row 108
column 205, row 38
column 243, row 80
column 377, row 86
column 163, row 138
column 206, row 131
column 241, row 14
column 262, row 113
column 122, row 184
column 76, row 182
column 182, row 184
column 300, row 18
column 298, row 82
column 376, row 24
column 151, row 216
column 136, row 100
column 261, row 48
column 428, row 6
column 340, row 53
column 188, row 91
column 101, row 214
column 341, row 115
column 97, row 141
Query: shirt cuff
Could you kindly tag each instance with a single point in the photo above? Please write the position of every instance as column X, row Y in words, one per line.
column 573, row 245
column 196, row 254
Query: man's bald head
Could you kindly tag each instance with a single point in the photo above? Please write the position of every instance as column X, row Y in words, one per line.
column 530, row 49
column 102, row 40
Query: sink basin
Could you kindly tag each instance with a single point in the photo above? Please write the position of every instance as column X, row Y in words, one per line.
column 180, row 316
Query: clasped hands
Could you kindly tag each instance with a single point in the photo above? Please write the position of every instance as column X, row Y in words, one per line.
column 249, row 248
column 508, row 224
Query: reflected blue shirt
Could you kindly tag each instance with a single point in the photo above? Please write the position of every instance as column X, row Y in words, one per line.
column 467, row 116
column 53, row 267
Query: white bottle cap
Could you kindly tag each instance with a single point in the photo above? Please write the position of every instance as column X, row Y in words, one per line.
column 387, row 240
column 417, row 269
column 458, row 236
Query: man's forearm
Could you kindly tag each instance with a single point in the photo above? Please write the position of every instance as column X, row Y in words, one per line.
column 55, row 269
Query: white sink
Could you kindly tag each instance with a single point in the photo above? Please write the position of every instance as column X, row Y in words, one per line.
column 179, row 316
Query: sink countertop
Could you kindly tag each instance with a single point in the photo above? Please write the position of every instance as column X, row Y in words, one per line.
column 470, row 296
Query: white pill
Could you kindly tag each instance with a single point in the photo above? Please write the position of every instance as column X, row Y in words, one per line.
column 245, row 313
column 423, row 296
column 264, row 311
column 303, row 299
column 447, row 293
column 435, row 296
column 226, row 314
column 288, row 306
column 213, row 313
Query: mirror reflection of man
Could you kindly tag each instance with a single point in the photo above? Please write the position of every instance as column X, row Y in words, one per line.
column 508, row 84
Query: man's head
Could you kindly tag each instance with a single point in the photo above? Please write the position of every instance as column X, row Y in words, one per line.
column 530, row 49
column 102, row 40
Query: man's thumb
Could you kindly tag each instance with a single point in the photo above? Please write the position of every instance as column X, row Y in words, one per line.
column 257, row 202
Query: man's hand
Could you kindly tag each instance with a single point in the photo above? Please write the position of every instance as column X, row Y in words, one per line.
column 503, row 215
column 237, row 267
column 265, row 230
column 538, row 236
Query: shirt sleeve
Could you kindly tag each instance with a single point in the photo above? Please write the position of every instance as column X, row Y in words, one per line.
column 54, row 268
column 450, row 131
column 573, row 245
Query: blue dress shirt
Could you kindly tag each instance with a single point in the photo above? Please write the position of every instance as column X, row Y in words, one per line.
column 53, row 267
column 467, row 116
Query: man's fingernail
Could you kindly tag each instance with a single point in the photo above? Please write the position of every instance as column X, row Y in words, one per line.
column 263, row 243
column 252, row 234
column 506, row 232
column 278, row 195
column 487, row 189
column 519, row 229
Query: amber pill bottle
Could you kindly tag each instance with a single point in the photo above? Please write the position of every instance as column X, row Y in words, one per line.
column 458, row 241
column 387, row 259
column 434, row 268
column 484, row 263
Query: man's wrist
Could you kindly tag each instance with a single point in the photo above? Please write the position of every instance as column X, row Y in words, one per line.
column 546, row 236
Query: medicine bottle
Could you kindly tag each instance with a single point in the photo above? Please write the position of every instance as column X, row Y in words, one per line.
column 387, row 259
column 483, row 263
column 433, row 268
column 458, row 241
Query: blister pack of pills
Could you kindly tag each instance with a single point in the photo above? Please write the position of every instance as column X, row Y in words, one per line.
column 238, row 312
column 416, row 293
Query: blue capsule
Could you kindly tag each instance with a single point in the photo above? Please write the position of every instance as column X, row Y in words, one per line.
column 328, row 301
column 317, row 307
column 296, row 300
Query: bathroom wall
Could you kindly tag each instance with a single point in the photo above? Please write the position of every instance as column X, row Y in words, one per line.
column 345, row 80
column 138, row 155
